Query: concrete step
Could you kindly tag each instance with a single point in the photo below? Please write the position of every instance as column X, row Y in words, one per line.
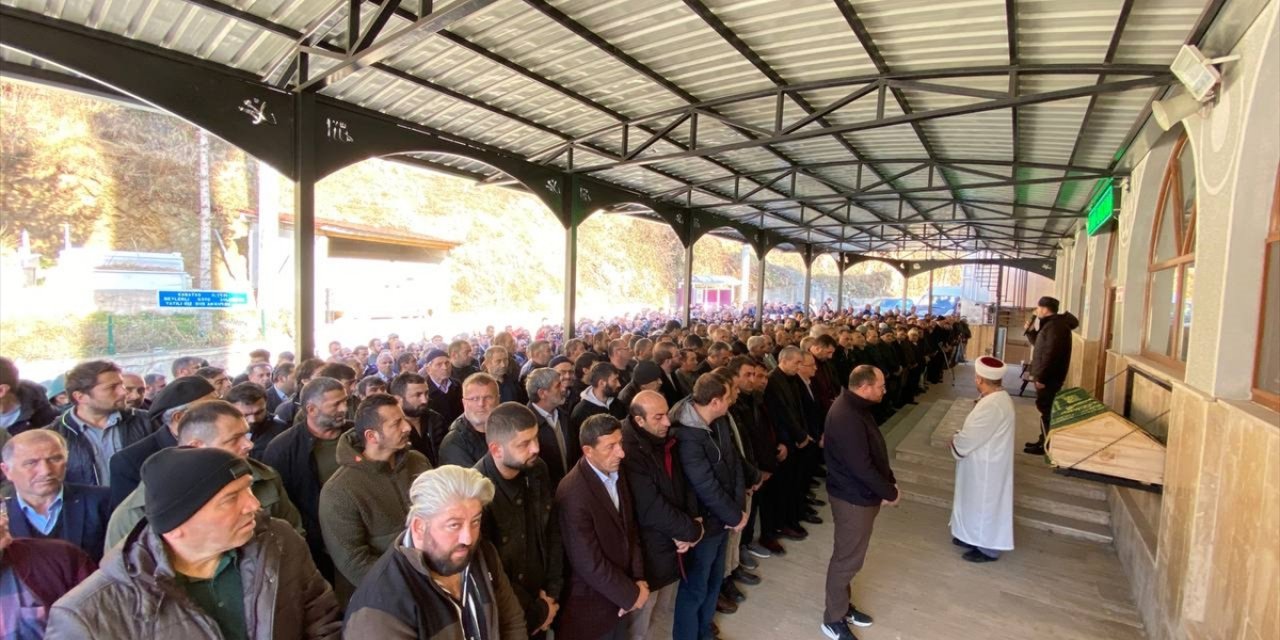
column 1024, row 475
column 1025, row 494
column 902, row 422
column 1028, row 471
column 1031, row 518
column 951, row 423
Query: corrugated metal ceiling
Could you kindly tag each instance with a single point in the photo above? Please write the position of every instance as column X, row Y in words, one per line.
column 528, row 75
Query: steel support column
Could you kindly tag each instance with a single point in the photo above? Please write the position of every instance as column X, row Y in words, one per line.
column 686, row 301
column 808, row 284
column 304, row 227
column 570, row 278
column 997, row 347
column 760, row 293
column 840, row 287
column 930, row 311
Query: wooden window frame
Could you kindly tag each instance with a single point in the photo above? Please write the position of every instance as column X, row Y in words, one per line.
column 1262, row 396
column 1171, row 187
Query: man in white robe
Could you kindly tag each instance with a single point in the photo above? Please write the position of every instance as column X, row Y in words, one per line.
column 982, row 511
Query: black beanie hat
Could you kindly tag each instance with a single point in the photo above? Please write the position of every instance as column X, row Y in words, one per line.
column 180, row 480
column 558, row 360
column 1049, row 303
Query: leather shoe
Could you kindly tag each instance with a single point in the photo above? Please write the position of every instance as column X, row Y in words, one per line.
column 1034, row 449
column 745, row 577
column 814, row 502
column 812, row 518
column 774, row 547
column 731, row 591
column 973, row 555
column 725, row 605
column 792, row 534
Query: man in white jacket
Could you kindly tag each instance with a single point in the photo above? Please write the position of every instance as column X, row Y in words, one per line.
column 982, row 512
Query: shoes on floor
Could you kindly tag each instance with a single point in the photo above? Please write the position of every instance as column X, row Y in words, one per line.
column 745, row 577
column 773, row 546
column 812, row 518
column 961, row 543
column 857, row 618
column 973, row 555
column 814, row 502
column 731, row 591
column 1035, row 449
column 758, row 550
column 745, row 560
column 725, row 605
column 838, row 631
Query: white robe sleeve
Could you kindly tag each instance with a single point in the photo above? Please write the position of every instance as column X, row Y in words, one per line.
column 979, row 427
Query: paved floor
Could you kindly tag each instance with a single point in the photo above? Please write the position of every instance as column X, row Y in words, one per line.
column 917, row 587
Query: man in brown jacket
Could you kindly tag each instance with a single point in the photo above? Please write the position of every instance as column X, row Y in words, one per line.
column 206, row 565
column 364, row 504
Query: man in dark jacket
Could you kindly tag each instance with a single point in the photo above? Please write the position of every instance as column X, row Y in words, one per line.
column 859, row 481
column 445, row 391
column 23, row 404
column 306, row 455
column 441, row 579
column 545, row 388
column 204, row 564
column 168, row 407
column 429, row 427
column 364, row 505
column 97, row 425
column 598, row 398
column 521, row 521
column 1050, row 360
column 597, row 522
column 665, row 507
column 42, row 504
column 465, row 443
column 784, row 407
column 711, row 462
column 264, row 426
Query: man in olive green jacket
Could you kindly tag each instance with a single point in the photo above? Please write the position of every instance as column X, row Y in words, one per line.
column 364, row 504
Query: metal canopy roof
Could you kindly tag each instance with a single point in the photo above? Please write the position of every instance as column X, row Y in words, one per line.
column 871, row 126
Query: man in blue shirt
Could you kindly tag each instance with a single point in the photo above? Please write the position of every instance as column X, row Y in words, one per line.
column 43, row 505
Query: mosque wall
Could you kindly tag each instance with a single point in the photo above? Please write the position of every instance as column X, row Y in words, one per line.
column 1203, row 558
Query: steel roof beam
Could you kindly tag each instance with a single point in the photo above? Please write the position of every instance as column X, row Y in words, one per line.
column 919, row 116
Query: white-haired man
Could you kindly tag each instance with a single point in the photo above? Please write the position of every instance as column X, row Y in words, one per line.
column 982, row 512
column 440, row 580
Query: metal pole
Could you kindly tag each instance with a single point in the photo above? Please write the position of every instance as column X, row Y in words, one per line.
column 687, row 298
column 808, row 284
column 997, row 350
column 570, row 278
column 760, row 294
column 840, row 288
column 304, row 227
column 931, row 291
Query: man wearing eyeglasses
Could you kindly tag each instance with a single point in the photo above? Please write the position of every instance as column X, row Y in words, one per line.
column 465, row 444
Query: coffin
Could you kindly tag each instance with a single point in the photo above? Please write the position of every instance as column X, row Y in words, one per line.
column 1084, row 435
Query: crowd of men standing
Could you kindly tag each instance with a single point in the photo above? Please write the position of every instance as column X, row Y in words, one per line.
column 592, row 489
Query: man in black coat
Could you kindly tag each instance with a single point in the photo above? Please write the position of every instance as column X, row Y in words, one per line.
column 167, row 407
column 42, row 504
column 710, row 459
column 445, row 391
column 305, row 456
column 767, row 454
column 859, row 482
column 546, row 396
column 1050, row 359
column 665, row 507
column 464, row 445
column 23, row 404
column 598, row 398
column 521, row 520
column 784, row 406
column 98, row 424
column 429, row 427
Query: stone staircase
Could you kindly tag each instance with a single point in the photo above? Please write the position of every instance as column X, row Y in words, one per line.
column 919, row 437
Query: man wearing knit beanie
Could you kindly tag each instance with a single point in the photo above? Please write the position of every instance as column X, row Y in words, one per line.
column 205, row 554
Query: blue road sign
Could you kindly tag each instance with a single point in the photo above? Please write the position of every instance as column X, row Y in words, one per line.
column 196, row 299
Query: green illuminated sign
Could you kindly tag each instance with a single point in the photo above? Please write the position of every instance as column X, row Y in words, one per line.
column 1103, row 209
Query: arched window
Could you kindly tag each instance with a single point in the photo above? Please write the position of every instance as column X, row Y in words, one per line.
column 1266, row 370
column 1171, row 271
